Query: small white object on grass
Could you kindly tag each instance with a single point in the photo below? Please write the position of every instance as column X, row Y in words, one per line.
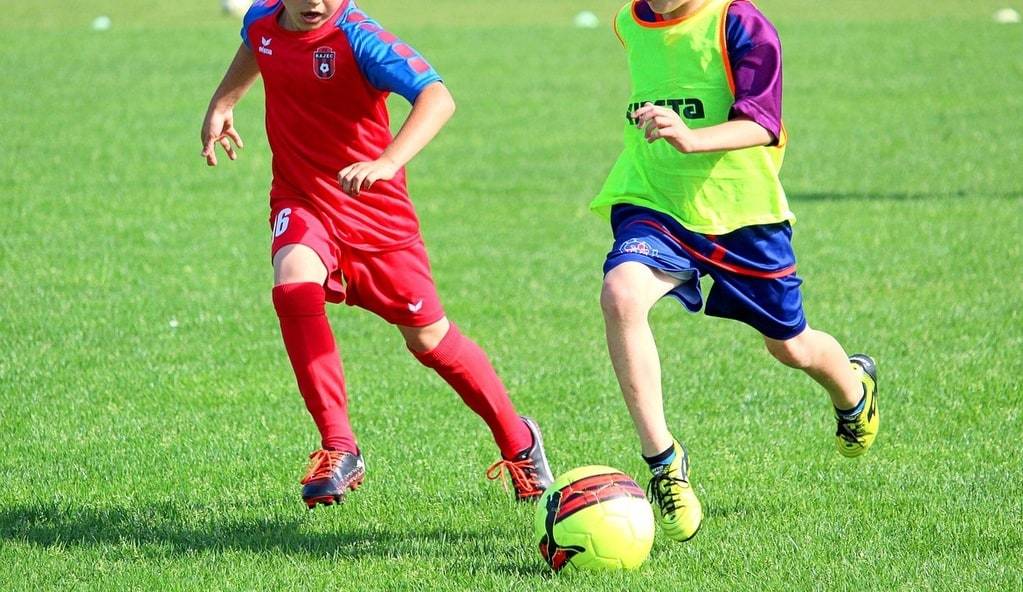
column 1007, row 16
column 235, row 8
column 586, row 20
column 174, row 323
column 101, row 23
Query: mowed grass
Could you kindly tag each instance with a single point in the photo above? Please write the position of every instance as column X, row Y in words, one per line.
column 151, row 436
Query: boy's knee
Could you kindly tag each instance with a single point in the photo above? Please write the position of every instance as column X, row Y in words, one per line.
column 794, row 352
column 425, row 339
column 620, row 301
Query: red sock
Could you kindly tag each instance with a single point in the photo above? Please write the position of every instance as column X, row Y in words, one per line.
column 313, row 353
column 460, row 362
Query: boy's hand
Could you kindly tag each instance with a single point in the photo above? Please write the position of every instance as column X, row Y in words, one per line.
column 663, row 123
column 361, row 175
column 218, row 128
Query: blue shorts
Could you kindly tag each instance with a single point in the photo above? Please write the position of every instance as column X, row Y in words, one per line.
column 753, row 268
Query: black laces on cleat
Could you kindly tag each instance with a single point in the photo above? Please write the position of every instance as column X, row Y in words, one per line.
column 851, row 431
column 660, row 490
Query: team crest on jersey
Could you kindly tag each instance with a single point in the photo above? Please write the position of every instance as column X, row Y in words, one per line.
column 323, row 63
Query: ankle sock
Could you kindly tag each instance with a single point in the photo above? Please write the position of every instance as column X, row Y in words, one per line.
column 663, row 458
column 853, row 413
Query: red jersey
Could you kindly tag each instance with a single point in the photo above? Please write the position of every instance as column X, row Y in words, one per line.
column 326, row 92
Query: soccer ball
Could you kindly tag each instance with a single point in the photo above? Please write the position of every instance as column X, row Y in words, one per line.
column 593, row 518
column 236, row 8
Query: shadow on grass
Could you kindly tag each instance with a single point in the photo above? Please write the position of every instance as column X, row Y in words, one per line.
column 733, row 511
column 170, row 529
column 530, row 570
column 901, row 195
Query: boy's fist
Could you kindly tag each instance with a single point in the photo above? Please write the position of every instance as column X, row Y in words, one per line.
column 663, row 123
column 361, row 175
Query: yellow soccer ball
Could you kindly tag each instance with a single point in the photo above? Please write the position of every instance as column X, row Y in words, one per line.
column 593, row 518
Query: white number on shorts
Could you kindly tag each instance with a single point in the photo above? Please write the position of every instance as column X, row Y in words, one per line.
column 281, row 223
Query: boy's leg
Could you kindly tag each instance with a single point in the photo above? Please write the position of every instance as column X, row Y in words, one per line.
column 822, row 357
column 301, row 254
column 630, row 290
column 645, row 264
column 467, row 369
column 398, row 286
column 755, row 283
column 851, row 382
column 299, row 299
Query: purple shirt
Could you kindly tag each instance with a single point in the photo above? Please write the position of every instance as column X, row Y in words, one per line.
column 754, row 51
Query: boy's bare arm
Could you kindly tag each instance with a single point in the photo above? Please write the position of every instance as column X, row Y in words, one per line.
column 432, row 109
column 218, row 126
column 663, row 123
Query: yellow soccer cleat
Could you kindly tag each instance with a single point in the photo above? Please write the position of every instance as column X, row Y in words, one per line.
column 855, row 435
column 675, row 504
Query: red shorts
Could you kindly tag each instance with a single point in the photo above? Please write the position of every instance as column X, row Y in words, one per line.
column 396, row 285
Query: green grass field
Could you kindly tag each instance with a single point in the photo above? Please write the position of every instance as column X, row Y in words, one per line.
column 151, row 436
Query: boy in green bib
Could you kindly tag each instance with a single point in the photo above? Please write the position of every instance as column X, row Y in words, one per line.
column 696, row 192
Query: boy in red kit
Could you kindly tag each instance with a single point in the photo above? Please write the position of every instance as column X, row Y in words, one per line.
column 344, row 229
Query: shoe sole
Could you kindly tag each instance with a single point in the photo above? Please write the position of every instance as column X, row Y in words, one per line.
column 690, row 537
column 330, row 500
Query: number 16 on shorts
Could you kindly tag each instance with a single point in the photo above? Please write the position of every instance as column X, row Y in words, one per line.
column 280, row 225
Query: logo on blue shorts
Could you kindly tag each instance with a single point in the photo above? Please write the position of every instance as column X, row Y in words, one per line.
column 639, row 247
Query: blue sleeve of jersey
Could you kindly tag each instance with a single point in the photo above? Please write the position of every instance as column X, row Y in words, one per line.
column 387, row 63
column 258, row 10
column 737, row 39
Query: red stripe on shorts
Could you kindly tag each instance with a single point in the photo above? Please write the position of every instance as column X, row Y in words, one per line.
column 716, row 258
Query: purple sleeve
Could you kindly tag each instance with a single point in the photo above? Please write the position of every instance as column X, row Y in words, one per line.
column 754, row 51
column 387, row 63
